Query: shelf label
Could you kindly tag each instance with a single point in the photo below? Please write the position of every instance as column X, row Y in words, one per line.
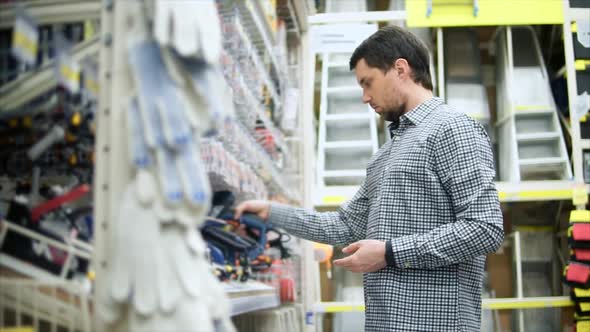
column 583, row 32
column 581, row 105
column 90, row 75
column 25, row 37
column 67, row 70
column 331, row 38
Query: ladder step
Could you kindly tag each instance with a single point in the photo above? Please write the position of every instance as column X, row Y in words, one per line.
column 343, row 89
column 546, row 136
column 338, row 64
column 532, row 109
column 348, row 145
column 348, row 116
column 542, row 161
column 345, row 173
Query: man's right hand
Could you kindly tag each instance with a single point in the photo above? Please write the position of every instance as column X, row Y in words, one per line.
column 259, row 208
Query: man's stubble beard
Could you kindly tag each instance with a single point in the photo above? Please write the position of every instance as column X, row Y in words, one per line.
column 393, row 114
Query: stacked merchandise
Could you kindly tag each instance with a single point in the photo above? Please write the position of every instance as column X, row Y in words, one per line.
column 48, row 99
column 46, row 149
column 577, row 273
column 248, row 248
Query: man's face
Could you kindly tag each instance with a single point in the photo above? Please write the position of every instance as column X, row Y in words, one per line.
column 383, row 91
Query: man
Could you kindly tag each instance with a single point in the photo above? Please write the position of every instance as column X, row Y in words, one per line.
column 427, row 213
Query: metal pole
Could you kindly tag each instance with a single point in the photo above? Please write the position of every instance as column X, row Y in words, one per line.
column 572, row 92
column 441, row 62
column 519, row 289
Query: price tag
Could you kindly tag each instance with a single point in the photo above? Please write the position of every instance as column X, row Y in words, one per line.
column 25, row 38
column 581, row 105
column 583, row 32
column 66, row 69
column 90, row 75
column 69, row 74
column 339, row 37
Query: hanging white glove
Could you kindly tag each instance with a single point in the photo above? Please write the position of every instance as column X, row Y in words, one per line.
column 163, row 271
column 166, row 130
column 159, row 262
column 136, row 236
column 191, row 27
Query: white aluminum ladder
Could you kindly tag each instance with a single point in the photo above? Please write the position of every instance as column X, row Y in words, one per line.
column 347, row 127
column 531, row 141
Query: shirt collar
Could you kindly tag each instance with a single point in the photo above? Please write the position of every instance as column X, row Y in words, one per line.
column 417, row 114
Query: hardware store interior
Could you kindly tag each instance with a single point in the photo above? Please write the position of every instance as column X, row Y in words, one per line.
column 307, row 165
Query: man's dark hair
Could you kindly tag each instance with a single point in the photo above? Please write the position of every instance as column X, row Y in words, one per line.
column 390, row 43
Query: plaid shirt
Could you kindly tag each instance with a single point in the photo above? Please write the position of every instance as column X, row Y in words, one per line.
column 430, row 191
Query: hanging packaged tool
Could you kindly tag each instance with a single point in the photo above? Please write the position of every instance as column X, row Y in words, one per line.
column 223, row 202
column 577, row 275
column 57, row 202
column 55, row 135
column 579, row 294
column 579, row 235
column 583, row 309
column 582, row 324
column 581, row 254
column 232, row 245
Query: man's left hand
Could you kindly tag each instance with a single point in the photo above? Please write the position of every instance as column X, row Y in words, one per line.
column 366, row 256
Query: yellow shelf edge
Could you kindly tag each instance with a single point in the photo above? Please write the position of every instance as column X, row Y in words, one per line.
column 17, row 329
column 492, row 304
column 529, row 304
column 490, row 13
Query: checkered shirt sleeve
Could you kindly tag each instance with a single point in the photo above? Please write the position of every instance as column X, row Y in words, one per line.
column 338, row 228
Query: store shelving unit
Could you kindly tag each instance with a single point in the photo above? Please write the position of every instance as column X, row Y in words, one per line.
column 15, row 95
column 111, row 177
column 25, row 289
column 251, row 297
column 45, row 301
column 52, row 11
column 246, row 297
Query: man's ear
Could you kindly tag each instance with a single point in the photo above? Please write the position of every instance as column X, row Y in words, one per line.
column 402, row 67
